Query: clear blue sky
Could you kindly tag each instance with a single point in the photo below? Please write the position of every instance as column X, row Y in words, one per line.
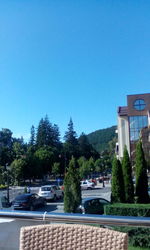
column 71, row 58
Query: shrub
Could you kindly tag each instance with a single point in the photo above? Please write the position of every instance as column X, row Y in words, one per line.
column 72, row 189
column 117, row 187
column 128, row 209
column 138, row 236
column 141, row 175
column 127, row 174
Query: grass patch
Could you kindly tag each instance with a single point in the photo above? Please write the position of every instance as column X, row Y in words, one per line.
column 137, row 248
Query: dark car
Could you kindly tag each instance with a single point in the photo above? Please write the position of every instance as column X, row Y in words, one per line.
column 28, row 201
column 92, row 206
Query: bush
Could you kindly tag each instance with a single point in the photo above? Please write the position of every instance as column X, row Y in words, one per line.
column 128, row 209
column 138, row 237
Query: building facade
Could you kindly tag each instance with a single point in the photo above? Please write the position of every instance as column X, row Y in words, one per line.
column 133, row 123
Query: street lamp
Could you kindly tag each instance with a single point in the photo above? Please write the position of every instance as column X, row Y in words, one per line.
column 7, row 170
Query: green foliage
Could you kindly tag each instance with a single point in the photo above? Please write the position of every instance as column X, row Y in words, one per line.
column 44, row 158
column 85, row 148
column 100, row 138
column 99, row 166
column 138, row 236
column 84, row 168
column 71, row 145
column 91, row 165
column 117, row 187
column 18, row 168
column 47, row 134
column 72, row 189
column 18, row 150
column 56, row 168
column 127, row 175
column 32, row 137
column 141, row 175
column 128, row 209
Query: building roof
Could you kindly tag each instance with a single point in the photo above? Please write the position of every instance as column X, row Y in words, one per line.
column 122, row 111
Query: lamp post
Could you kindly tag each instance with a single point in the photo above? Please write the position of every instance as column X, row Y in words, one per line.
column 7, row 169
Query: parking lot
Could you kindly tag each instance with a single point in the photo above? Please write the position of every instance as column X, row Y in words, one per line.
column 10, row 228
column 57, row 206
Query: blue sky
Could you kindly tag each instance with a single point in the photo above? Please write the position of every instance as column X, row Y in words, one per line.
column 71, row 58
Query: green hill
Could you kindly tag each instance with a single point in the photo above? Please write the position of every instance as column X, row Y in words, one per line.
column 100, row 138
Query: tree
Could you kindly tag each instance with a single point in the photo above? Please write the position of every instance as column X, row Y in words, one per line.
column 18, row 150
column 84, row 169
column 117, row 187
column 99, row 165
column 32, row 137
column 72, row 189
column 47, row 134
column 56, row 168
column 71, row 146
column 44, row 160
column 85, row 148
column 18, row 168
column 141, row 175
column 127, row 176
column 6, row 142
column 91, row 165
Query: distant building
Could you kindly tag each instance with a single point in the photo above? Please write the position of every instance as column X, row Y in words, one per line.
column 133, row 122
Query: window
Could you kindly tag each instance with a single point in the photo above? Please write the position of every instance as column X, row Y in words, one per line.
column 139, row 104
column 136, row 123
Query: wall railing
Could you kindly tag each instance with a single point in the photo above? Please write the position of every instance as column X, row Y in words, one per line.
column 77, row 218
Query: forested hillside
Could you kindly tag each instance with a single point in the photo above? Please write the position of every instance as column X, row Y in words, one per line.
column 100, row 138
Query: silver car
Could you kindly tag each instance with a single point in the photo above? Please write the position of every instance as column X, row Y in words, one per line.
column 50, row 192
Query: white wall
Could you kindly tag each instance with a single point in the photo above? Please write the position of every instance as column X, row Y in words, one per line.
column 123, row 134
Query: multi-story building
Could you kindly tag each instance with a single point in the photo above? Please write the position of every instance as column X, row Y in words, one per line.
column 133, row 122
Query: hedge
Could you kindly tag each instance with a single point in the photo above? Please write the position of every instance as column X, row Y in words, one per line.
column 128, row 209
column 138, row 237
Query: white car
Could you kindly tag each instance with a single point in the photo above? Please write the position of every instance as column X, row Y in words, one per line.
column 87, row 185
column 50, row 192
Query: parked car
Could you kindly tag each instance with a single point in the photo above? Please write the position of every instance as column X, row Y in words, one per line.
column 50, row 192
column 28, row 201
column 87, row 185
column 92, row 206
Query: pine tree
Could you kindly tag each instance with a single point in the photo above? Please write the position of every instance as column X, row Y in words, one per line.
column 32, row 137
column 71, row 146
column 117, row 187
column 141, row 175
column 40, row 137
column 72, row 189
column 47, row 134
column 86, row 149
column 127, row 176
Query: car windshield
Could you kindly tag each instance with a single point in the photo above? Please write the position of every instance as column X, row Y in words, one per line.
column 45, row 188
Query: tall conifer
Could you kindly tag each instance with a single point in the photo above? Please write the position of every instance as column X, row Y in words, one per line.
column 71, row 145
column 72, row 189
column 141, row 175
column 117, row 187
column 127, row 176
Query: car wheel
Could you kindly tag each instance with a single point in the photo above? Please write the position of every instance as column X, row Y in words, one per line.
column 89, row 188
